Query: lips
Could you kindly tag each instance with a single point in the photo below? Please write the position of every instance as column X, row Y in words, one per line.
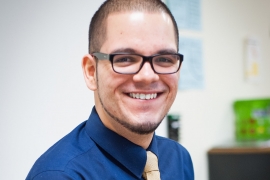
column 143, row 96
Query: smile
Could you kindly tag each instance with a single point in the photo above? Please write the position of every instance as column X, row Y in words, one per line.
column 143, row 96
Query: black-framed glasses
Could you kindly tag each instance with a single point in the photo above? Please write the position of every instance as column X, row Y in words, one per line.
column 125, row 63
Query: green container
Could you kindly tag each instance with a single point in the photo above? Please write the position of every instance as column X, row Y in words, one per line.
column 252, row 119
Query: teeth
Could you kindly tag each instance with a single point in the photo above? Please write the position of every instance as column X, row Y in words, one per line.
column 143, row 96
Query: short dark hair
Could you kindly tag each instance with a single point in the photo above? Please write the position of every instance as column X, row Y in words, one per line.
column 97, row 29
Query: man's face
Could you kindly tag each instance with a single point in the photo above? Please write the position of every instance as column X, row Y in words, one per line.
column 146, row 34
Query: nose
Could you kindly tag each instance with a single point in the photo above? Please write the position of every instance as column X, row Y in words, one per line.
column 146, row 74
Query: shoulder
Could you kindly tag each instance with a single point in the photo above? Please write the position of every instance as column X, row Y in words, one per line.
column 166, row 143
column 173, row 153
column 52, row 175
column 57, row 158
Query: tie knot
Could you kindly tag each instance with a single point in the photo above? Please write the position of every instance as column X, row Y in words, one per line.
column 151, row 170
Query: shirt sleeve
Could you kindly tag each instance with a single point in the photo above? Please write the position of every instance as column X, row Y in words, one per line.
column 53, row 175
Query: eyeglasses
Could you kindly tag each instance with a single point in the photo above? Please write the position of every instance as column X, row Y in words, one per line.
column 124, row 63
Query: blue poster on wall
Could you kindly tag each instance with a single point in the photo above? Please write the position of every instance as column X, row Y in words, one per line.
column 187, row 13
column 191, row 72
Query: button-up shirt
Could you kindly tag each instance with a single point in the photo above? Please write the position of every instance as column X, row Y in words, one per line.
column 93, row 152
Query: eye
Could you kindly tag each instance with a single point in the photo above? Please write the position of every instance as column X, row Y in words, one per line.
column 163, row 60
column 122, row 59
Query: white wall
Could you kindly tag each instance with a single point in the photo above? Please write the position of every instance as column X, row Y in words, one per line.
column 43, row 95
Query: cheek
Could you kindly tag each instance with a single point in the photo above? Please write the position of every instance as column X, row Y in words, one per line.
column 172, row 82
column 176, row 80
column 104, row 72
column 109, row 82
column 173, row 88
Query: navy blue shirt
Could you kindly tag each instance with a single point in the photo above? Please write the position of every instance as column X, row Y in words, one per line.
column 92, row 151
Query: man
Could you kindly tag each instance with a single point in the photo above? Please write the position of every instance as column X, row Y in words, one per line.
column 133, row 69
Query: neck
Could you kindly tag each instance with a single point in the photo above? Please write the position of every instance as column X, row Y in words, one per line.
column 139, row 139
column 142, row 140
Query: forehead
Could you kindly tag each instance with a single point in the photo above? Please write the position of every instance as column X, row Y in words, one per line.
column 143, row 32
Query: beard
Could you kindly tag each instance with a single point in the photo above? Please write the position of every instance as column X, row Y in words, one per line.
column 141, row 129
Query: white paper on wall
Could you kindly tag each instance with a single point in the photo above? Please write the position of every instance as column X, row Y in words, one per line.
column 252, row 60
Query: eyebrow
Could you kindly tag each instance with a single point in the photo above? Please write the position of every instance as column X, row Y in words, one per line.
column 167, row 51
column 124, row 50
column 133, row 51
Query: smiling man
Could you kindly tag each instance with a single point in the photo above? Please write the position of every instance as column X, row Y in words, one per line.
column 133, row 69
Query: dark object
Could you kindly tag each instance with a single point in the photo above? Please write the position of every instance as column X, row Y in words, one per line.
column 173, row 126
column 239, row 163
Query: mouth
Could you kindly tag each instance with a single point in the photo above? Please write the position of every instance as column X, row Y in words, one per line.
column 143, row 96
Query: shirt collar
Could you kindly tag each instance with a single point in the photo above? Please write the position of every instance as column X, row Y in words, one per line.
column 130, row 155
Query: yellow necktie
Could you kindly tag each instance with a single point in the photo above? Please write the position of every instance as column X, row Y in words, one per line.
column 151, row 171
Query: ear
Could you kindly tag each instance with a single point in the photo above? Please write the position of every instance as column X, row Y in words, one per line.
column 89, row 71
